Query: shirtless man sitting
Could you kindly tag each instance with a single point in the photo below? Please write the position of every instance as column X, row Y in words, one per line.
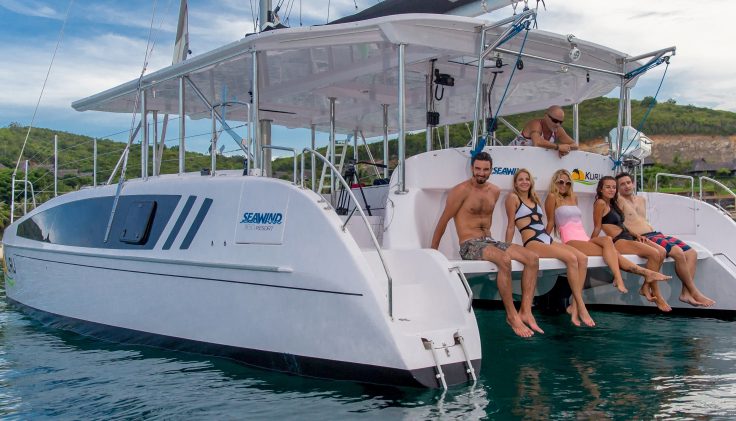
column 547, row 132
column 471, row 205
column 685, row 257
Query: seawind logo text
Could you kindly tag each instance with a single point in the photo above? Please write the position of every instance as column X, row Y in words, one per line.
column 504, row 171
column 262, row 218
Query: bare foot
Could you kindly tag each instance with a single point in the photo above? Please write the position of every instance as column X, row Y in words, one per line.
column 662, row 304
column 696, row 301
column 619, row 284
column 519, row 327
column 529, row 320
column 705, row 301
column 585, row 317
column 572, row 310
column 652, row 276
column 646, row 292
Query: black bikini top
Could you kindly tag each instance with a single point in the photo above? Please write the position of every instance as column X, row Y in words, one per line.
column 613, row 218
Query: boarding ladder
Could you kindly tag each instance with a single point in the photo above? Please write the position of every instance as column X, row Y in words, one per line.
column 325, row 180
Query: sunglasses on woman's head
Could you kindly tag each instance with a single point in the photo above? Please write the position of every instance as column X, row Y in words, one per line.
column 565, row 183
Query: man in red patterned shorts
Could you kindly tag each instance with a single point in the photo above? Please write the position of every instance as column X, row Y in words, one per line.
column 685, row 257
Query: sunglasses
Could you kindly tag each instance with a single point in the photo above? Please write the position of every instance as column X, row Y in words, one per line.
column 554, row 120
column 564, row 183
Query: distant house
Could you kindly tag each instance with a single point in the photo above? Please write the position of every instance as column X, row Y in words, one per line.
column 701, row 167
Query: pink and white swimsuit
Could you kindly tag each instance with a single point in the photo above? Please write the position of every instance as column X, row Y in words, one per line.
column 569, row 221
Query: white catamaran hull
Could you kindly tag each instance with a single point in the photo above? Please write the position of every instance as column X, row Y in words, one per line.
column 273, row 281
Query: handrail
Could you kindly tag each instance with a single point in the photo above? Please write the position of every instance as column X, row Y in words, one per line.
column 692, row 181
column 362, row 214
column 466, row 285
column 281, row 148
column 25, row 187
column 727, row 258
column 716, row 182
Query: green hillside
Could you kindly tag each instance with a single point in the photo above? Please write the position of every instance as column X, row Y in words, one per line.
column 598, row 116
column 76, row 164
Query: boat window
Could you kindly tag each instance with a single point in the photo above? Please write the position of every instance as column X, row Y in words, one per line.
column 138, row 222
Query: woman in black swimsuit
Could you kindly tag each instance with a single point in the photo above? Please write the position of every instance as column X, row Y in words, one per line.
column 524, row 212
column 607, row 216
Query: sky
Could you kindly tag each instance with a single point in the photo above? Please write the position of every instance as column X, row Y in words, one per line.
column 104, row 44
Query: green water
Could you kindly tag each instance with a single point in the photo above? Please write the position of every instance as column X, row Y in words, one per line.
column 629, row 367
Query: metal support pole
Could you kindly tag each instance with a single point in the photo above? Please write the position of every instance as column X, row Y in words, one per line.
column 619, row 127
column 213, row 144
column 447, row 136
column 266, row 141
column 576, row 123
column 478, row 86
column 25, row 189
column 56, row 165
column 12, row 198
column 483, row 110
column 154, row 161
column 265, row 9
column 94, row 162
column 385, row 140
column 402, row 124
column 627, row 116
column 428, row 136
column 249, row 141
column 182, row 126
column 256, row 104
column 314, row 158
column 355, row 145
column 144, row 138
column 332, row 145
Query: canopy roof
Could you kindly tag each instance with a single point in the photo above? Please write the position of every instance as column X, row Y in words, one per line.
column 356, row 63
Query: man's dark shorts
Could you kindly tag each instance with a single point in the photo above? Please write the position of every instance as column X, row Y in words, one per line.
column 473, row 249
column 666, row 241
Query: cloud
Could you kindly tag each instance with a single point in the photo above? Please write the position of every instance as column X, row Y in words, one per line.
column 32, row 8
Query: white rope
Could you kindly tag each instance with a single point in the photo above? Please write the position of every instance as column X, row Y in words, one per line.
column 43, row 88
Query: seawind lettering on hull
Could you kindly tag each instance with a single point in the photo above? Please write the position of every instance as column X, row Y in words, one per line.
column 503, row 171
column 262, row 218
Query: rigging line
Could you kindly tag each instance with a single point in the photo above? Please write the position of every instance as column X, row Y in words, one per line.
column 289, row 7
column 43, row 88
column 328, row 10
column 253, row 16
column 300, row 12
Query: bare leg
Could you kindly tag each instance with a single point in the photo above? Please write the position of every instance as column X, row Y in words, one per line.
column 568, row 256
column 654, row 262
column 502, row 260
column 602, row 246
column 690, row 293
column 530, row 260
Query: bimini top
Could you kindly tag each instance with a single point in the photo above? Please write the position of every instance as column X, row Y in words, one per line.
column 356, row 63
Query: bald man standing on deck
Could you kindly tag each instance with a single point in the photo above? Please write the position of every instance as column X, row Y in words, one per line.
column 471, row 205
column 547, row 132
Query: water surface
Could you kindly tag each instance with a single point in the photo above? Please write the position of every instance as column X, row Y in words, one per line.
column 630, row 366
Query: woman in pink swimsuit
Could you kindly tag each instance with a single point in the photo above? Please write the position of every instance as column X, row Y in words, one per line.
column 564, row 214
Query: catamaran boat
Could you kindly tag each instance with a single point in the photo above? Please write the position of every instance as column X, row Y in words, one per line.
column 276, row 274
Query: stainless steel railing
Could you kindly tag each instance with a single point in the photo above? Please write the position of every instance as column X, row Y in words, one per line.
column 664, row 174
column 346, row 186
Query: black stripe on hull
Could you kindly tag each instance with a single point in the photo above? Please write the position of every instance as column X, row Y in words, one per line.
column 287, row 363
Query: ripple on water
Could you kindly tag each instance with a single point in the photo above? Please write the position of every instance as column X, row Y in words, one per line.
column 628, row 367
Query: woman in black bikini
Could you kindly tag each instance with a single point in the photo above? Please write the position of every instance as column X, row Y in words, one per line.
column 607, row 216
column 524, row 212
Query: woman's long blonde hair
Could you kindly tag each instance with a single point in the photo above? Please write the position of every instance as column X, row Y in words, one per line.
column 532, row 194
column 554, row 191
